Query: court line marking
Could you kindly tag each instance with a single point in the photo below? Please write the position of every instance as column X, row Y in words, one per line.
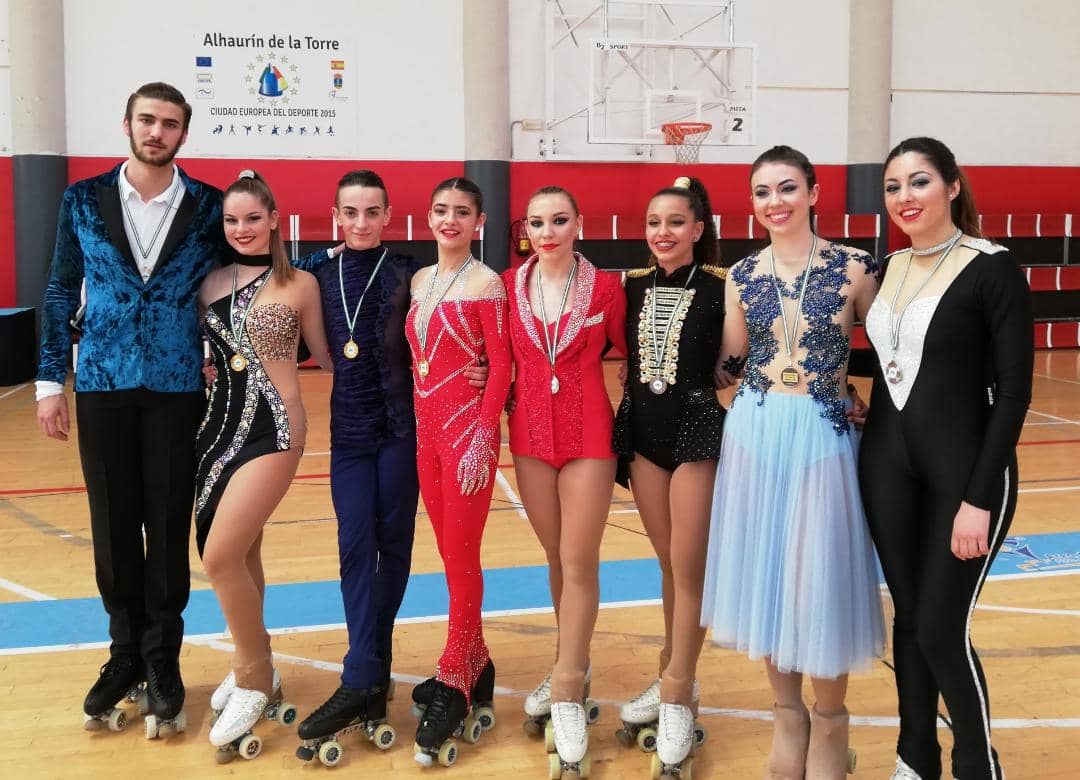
column 22, row 590
column 511, row 496
column 1057, row 379
column 14, row 390
column 728, row 712
column 1052, row 417
column 489, row 614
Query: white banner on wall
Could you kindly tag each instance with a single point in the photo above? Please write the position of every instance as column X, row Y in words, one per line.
column 272, row 94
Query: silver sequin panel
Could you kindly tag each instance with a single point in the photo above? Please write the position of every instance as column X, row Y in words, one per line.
column 912, row 337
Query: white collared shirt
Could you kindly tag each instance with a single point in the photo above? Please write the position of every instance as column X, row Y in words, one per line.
column 146, row 223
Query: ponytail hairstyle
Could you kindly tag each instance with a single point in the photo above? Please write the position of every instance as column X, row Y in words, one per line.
column 554, row 189
column 460, row 183
column 786, row 155
column 964, row 214
column 692, row 190
column 251, row 183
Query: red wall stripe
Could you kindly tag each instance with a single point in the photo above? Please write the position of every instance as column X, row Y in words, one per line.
column 7, row 234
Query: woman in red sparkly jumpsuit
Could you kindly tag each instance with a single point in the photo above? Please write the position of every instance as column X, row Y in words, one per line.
column 564, row 315
column 457, row 318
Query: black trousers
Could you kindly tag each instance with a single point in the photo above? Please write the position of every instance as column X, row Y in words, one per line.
column 138, row 458
column 911, row 499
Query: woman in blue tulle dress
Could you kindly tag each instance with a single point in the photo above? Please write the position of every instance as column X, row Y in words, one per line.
column 791, row 575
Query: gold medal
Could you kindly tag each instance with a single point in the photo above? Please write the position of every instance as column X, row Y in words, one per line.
column 238, row 362
column 351, row 350
column 790, row 377
column 422, row 368
column 554, row 384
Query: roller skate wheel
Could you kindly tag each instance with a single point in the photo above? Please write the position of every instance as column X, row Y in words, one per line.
column 179, row 724
column 224, row 755
column 384, row 736
column 153, row 729
column 423, row 758
column 448, row 753
column 646, row 740
column 592, row 712
column 250, row 746
column 625, row 737
column 584, row 765
column 390, row 690
column 286, row 714
column 699, row 735
column 656, row 767
column 214, row 715
column 117, row 720
column 554, row 767
column 687, row 770
column 305, row 753
column 142, row 702
column 91, row 723
column 330, row 752
column 486, row 716
column 549, row 737
column 472, row 729
column 532, row 727
column 851, row 760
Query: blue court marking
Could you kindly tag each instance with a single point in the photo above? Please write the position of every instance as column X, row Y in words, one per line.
column 77, row 621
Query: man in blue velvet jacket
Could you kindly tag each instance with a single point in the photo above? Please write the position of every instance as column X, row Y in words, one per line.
column 132, row 246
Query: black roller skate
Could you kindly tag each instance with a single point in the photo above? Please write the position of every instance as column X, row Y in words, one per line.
column 120, row 679
column 445, row 717
column 483, row 696
column 348, row 710
column 166, row 694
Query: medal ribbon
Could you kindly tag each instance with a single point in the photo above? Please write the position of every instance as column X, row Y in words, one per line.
column 791, row 335
column 350, row 323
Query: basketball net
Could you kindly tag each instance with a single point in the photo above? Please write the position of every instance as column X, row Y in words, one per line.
column 685, row 138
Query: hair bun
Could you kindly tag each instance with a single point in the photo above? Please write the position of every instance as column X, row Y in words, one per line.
column 683, row 183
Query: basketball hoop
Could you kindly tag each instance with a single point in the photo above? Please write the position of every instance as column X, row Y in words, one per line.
column 685, row 138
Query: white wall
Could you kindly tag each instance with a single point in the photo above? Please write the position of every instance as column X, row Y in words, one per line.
column 997, row 80
column 5, row 82
column 802, row 80
column 410, row 106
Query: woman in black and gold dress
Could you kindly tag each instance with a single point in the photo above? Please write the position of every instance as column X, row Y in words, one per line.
column 667, row 435
column 250, row 442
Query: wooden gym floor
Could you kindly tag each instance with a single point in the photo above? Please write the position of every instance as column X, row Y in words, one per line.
column 1027, row 628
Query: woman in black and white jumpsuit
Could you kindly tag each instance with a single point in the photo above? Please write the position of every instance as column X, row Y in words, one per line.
column 952, row 329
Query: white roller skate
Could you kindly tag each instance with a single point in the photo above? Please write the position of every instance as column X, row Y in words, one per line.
column 641, row 715
column 538, row 705
column 220, row 697
column 903, row 771
column 232, row 733
column 675, row 742
column 566, row 738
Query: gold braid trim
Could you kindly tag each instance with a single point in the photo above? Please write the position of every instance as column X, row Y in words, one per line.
column 638, row 273
column 715, row 270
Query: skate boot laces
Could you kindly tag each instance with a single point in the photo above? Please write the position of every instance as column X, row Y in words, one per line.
column 538, row 702
column 242, row 711
column 675, row 733
column 220, row 697
column 569, row 724
column 643, row 708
